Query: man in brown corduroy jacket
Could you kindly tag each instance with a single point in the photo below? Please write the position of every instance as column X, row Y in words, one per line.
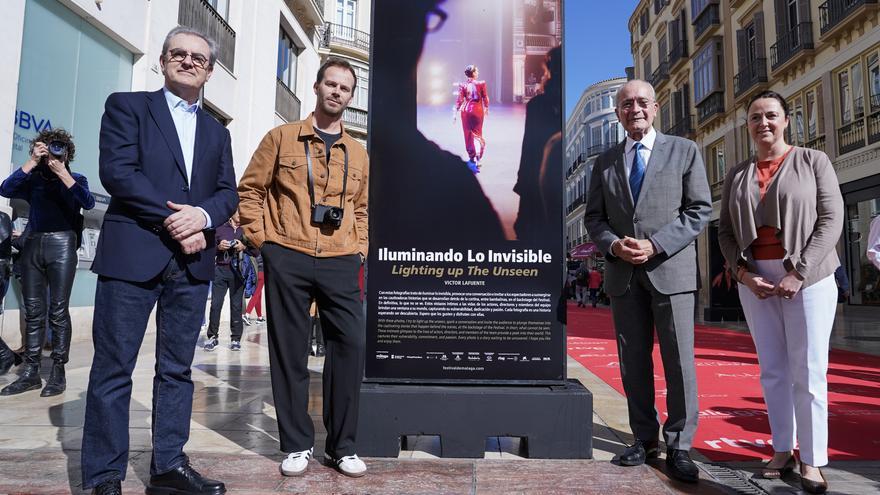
column 304, row 204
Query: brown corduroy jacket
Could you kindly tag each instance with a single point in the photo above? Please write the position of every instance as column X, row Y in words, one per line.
column 275, row 205
column 803, row 202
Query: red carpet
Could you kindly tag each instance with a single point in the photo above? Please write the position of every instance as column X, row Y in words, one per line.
column 733, row 419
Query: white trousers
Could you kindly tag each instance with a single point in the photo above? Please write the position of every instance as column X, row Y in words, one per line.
column 792, row 337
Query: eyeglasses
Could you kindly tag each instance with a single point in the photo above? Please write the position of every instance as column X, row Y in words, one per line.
column 434, row 19
column 178, row 56
column 630, row 103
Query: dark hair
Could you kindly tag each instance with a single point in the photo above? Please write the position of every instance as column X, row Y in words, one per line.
column 46, row 136
column 769, row 94
column 470, row 69
column 337, row 62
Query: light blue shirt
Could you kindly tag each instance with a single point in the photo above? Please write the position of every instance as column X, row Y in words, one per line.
column 185, row 117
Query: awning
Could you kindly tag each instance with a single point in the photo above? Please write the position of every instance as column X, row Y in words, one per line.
column 584, row 250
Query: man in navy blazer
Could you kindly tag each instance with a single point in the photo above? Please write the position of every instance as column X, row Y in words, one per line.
column 168, row 168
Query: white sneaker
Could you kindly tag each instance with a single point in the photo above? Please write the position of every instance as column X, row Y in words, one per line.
column 296, row 463
column 350, row 465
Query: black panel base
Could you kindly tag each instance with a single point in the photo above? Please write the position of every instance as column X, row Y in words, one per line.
column 554, row 422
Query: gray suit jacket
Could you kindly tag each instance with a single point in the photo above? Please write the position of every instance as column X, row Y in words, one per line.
column 674, row 206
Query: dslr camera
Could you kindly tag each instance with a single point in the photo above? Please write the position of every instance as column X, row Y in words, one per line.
column 331, row 216
column 58, row 149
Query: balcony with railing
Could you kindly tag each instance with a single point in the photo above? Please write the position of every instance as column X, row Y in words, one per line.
column 575, row 204
column 678, row 53
column 355, row 118
column 873, row 120
column 711, row 106
column 337, row 35
column 581, row 158
column 750, row 77
column 684, row 127
column 710, row 16
column 817, row 143
column 599, row 149
column 200, row 15
column 287, row 105
column 661, row 74
column 791, row 44
column 539, row 44
column 851, row 136
column 835, row 14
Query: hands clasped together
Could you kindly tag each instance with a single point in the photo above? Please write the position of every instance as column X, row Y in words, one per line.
column 633, row 251
column 763, row 288
column 185, row 225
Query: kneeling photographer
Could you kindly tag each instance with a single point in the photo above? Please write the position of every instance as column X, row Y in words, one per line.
column 49, row 258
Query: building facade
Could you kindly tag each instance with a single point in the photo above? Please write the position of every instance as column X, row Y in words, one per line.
column 591, row 129
column 706, row 58
column 346, row 34
column 269, row 53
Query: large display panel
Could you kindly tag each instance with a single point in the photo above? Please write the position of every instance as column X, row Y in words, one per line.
column 465, row 268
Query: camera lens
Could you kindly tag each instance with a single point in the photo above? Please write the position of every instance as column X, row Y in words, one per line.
column 335, row 213
column 58, row 148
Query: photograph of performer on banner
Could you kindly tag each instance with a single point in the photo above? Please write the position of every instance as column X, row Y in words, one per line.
column 498, row 52
column 473, row 105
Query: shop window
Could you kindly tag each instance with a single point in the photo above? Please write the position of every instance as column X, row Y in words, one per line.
column 715, row 157
column 86, row 66
column 864, row 276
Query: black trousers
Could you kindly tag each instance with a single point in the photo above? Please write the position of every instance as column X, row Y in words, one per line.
column 291, row 280
column 225, row 279
column 48, row 260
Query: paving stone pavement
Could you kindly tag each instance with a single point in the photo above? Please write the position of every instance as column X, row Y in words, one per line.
column 234, row 438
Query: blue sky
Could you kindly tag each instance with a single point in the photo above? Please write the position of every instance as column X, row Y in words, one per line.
column 596, row 39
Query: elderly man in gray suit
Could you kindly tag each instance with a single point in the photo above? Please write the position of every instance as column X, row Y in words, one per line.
column 648, row 202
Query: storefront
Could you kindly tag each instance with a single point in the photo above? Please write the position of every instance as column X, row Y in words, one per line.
column 68, row 68
column 862, row 199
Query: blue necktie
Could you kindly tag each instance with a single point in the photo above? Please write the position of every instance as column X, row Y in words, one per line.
column 637, row 173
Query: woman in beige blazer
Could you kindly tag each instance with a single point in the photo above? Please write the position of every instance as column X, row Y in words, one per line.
column 781, row 217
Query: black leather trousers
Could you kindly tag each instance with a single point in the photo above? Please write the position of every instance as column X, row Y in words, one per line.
column 48, row 260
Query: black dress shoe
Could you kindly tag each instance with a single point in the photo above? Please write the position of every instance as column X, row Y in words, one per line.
column 109, row 487
column 184, row 480
column 681, row 467
column 28, row 380
column 8, row 359
column 637, row 453
column 56, row 383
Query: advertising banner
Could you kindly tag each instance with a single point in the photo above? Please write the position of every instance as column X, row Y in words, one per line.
column 466, row 261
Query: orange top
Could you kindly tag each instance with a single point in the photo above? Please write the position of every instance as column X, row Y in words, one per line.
column 767, row 246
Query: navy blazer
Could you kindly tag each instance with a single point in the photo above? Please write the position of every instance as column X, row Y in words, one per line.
column 141, row 166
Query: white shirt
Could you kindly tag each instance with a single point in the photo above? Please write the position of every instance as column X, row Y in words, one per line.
column 647, row 146
column 185, row 117
column 873, row 251
column 630, row 154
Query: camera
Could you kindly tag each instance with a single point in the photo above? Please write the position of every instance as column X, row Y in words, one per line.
column 58, row 149
column 330, row 216
column 233, row 243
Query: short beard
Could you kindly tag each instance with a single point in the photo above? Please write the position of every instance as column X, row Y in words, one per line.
column 332, row 113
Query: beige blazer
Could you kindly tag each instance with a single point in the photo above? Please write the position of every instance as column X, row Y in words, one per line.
column 803, row 202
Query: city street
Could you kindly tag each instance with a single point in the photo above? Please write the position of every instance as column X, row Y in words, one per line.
column 234, row 438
